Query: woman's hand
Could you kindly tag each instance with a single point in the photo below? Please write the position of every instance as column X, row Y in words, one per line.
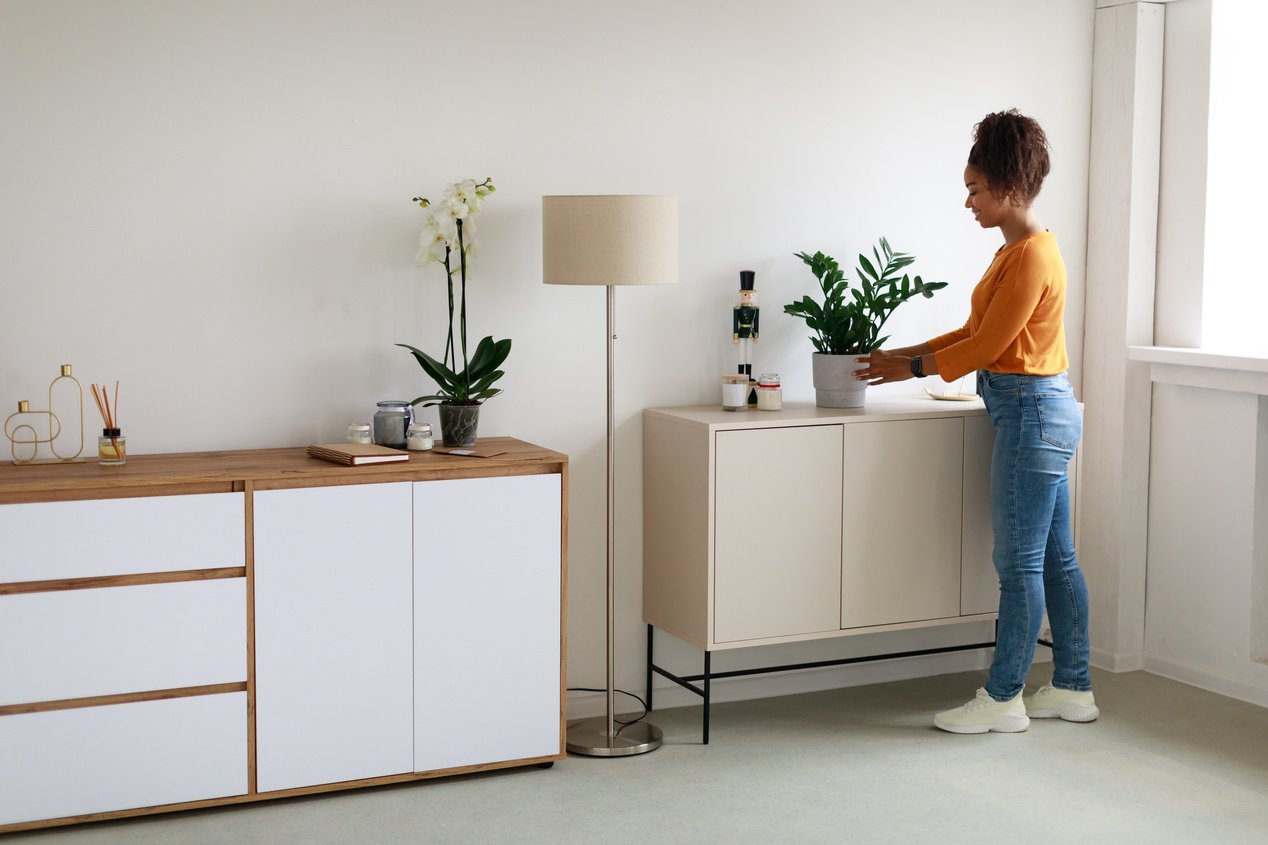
column 884, row 367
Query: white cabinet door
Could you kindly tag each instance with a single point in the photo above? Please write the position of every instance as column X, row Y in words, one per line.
column 777, row 532
column 901, row 539
column 334, row 693
column 96, row 759
column 487, row 646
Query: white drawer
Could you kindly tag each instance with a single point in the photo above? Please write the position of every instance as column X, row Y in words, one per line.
column 77, row 643
column 144, row 754
column 50, row 540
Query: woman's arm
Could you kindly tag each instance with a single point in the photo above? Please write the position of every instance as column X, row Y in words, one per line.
column 886, row 365
column 909, row 351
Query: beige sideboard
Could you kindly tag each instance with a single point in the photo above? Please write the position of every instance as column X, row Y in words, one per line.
column 810, row 523
column 214, row 628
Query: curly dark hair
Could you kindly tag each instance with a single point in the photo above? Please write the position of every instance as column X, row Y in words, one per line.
column 1011, row 151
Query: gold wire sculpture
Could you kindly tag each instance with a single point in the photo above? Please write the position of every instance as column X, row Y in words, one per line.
column 25, row 434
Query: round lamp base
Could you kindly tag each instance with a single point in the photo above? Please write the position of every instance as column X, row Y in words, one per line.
column 591, row 739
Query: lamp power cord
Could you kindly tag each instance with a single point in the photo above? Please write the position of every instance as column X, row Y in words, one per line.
column 635, row 696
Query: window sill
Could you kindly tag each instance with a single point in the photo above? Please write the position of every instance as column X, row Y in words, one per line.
column 1203, row 368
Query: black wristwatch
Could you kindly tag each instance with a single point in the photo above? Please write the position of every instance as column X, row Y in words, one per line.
column 918, row 366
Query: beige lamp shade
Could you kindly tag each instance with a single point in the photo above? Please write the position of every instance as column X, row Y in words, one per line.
column 610, row 240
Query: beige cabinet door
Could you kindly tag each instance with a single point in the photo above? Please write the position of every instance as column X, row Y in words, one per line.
column 979, row 585
column 901, row 527
column 777, row 532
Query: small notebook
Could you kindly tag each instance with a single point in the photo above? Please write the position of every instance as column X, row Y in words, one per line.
column 354, row 454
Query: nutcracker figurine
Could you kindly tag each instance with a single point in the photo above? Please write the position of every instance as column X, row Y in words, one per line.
column 744, row 328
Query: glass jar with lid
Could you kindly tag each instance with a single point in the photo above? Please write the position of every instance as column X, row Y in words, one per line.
column 734, row 392
column 391, row 421
column 359, row 433
column 419, row 437
column 770, row 396
column 112, row 448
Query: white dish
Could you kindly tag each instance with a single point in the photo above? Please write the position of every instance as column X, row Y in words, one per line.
column 952, row 397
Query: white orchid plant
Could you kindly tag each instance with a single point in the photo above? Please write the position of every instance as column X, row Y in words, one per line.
column 447, row 238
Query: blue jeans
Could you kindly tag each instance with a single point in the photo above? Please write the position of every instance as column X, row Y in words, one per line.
column 1037, row 427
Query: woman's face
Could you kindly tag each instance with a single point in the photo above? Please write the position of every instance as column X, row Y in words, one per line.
column 988, row 210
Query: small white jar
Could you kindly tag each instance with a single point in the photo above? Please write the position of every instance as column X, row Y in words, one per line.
column 359, row 433
column 734, row 392
column 419, row 437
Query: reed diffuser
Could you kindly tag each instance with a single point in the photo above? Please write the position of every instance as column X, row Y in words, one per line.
column 112, row 446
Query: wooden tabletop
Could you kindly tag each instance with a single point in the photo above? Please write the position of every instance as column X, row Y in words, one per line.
column 188, row 472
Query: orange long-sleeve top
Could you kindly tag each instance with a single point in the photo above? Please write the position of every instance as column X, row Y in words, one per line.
column 1016, row 324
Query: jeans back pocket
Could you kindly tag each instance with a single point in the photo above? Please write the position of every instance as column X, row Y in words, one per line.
column 1060, row 422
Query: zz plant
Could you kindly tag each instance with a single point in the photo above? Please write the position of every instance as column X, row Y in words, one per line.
column 849, row 320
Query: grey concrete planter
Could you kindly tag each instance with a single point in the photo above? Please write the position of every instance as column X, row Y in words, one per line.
column 835, row 384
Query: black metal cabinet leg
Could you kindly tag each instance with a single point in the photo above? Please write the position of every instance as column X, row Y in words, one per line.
column 649, row 668
column 707, row 656
column 705, row 690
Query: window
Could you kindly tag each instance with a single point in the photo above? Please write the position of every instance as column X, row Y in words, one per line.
column 1235, row 277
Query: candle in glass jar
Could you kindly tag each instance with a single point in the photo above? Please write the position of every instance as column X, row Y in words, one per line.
column 734, row 392
column 419, row 437
column 769, row 394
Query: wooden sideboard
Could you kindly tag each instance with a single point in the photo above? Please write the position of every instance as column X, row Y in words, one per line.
column 212, row 628
column 812, row 523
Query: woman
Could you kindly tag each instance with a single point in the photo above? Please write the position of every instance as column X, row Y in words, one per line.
column 1015, row 339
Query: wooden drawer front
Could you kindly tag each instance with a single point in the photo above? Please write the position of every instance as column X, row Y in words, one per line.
column 52, row 540
column 78, row 643
column 144, row 754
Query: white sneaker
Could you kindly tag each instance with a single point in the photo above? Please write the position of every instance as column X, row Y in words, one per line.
column 1051, row 703
column 984, row 714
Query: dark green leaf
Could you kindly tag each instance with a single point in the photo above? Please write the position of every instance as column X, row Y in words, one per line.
column 866, row 266
column 488, row 356
column 487, row 381
column 430, row 400
column 444, row 377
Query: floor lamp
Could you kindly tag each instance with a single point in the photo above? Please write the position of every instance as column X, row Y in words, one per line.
column 610, row 240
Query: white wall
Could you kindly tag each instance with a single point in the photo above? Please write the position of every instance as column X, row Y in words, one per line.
column 210, row 203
